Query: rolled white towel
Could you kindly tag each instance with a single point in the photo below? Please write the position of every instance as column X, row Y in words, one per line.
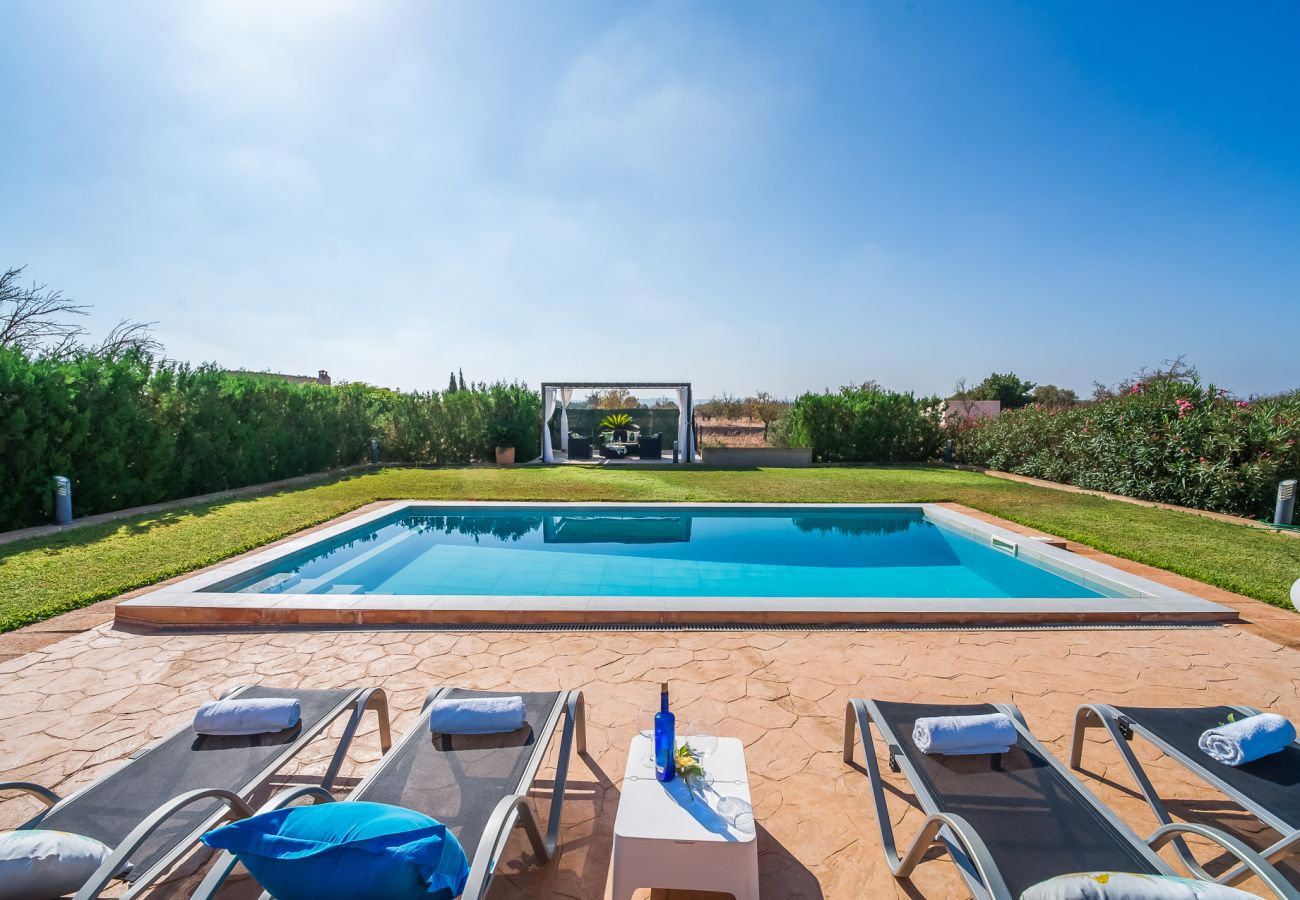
column 253, row 716
column 964, row 735
column 1248, row 739
column 477, row 715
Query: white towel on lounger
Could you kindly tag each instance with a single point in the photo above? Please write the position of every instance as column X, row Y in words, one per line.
column 253, row 716
column 1246, row 740
column 964, row 735
column 477, row 715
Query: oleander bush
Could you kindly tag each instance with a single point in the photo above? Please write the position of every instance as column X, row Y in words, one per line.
column 865, row 424
column 130, row 430
column 1169, row 440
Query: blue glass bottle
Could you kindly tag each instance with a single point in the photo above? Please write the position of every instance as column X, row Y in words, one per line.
column 665, row 738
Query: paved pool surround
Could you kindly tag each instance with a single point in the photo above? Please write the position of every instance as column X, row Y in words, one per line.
column 194, row 601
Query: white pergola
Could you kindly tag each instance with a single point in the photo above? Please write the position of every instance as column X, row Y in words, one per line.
column 561, row 392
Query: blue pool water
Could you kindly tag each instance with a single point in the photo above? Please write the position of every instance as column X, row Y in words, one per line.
column 733, row 552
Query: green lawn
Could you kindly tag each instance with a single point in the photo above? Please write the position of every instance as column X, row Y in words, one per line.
column 40, row 578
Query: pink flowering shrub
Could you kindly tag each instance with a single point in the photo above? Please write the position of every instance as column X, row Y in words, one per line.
column 1172, row 441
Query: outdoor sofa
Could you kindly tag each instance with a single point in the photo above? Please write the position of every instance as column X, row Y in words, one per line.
column 1011, row 820
column 651, row 447
column 476, row 785
column 579, row 447
column 153, row 809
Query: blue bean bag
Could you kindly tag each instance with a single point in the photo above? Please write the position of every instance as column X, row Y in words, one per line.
column 349, row 851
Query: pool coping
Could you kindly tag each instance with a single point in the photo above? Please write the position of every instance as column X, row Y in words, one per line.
column 186, row 603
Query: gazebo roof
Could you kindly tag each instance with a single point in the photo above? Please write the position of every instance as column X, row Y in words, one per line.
column 657, row 385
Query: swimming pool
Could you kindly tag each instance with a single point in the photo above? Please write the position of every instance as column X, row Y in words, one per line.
column 706, row 552
column 547, row 563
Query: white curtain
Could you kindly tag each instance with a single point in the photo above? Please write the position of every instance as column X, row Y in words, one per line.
column 684, row 427
column 566, row 394
column 548, row 410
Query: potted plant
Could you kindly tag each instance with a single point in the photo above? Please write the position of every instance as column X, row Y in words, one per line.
column 617, row 423
column 502, row 437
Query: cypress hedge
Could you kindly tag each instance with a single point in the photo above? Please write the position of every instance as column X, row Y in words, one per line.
column 129, row 430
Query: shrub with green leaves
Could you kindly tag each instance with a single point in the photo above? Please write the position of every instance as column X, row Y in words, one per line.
column 866, row 424
column 129, row 431
column 1167, row 440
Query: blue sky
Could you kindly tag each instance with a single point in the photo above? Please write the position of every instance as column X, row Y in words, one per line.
column 752, row 196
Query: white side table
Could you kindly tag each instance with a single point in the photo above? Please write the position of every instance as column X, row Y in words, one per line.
column 665, row 839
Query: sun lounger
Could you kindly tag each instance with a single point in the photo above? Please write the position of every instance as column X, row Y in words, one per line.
column 476, row 785
column 1268, row 788
column 153, row 809
column 1014, row 819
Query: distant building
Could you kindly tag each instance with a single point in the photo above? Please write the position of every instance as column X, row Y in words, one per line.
column 321, row 377
column 957, row 410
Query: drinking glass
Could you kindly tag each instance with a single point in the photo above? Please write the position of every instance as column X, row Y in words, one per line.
column 702, row 738
column 736, row 813
column 645, row 724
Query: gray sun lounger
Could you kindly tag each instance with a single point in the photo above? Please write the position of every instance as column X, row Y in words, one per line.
column 1268, row 788
column 476, row 785
column 153, row 809
column 1014, row 819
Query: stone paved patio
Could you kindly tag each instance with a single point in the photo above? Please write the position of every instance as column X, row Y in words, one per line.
column 76, row 707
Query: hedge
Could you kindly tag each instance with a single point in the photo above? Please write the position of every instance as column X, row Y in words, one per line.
column 1171, row 441
column 866, row 424
column 130, row 431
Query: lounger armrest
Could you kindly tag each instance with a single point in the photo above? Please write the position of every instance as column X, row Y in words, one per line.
column 1262, row 869
column 495, row 833
column 40, row 792
column 122, row 853
column 369, row 699
column 963, row 833
column 225, row 863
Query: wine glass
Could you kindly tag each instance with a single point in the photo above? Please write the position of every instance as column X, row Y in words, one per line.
column 702, row 738
column 645, row 724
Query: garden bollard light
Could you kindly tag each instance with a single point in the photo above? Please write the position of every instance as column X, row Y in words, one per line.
column 1285, row 509
column 62, row 500
column 374, row 451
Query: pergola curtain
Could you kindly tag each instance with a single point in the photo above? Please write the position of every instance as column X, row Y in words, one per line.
column 566, row 394
column 684, row 425
column 548, row 410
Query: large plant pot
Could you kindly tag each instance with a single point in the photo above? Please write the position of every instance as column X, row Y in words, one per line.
column 505, row 456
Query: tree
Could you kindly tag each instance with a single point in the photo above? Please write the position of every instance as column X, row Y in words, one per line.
column 767, row 409
column 33, row 318
column 614, row 398
column 451, row 384
column 461, row 387
column 1058, row 397
column 128, row 337
column 1009, row 389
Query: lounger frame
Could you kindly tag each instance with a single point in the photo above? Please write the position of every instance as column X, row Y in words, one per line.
column 1122, row 728
column 963, row 844
column 512, row 809
column 358, row 701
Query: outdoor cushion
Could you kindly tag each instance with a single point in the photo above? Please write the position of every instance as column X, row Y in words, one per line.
column 36, row 864
column 1128, row 886
column 356, row 850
